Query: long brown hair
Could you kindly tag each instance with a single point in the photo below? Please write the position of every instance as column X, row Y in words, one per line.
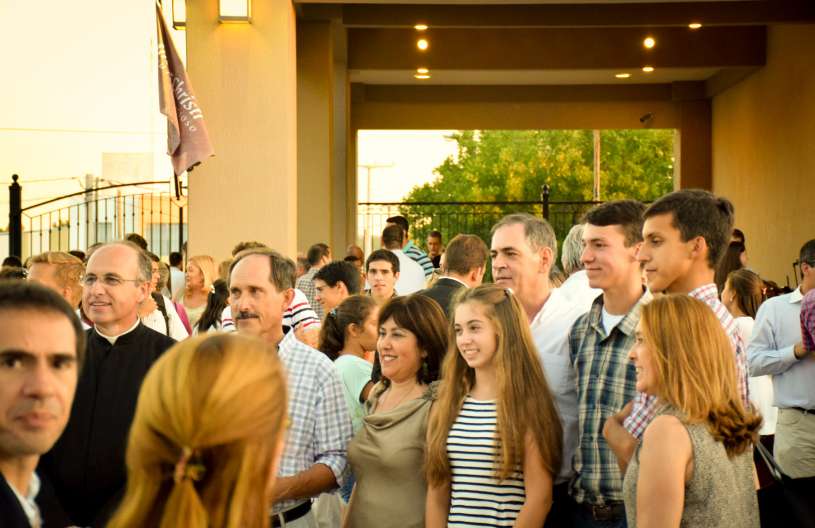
column 220, row 399
column 748, row 288
column 524, row 404
column 695, row 369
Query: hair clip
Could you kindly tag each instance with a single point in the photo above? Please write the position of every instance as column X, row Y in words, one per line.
column 185, row 470
column 333, row 312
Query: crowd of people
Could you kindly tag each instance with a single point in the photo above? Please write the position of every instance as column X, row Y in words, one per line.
column 627, row 386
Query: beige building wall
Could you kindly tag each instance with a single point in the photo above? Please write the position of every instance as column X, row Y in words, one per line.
column 764, row 151
column 245, row 78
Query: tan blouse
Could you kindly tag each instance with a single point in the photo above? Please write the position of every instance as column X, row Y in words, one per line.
column 387, row 457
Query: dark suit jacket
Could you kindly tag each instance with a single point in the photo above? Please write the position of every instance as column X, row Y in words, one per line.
column 442, row 292
column 12, row 514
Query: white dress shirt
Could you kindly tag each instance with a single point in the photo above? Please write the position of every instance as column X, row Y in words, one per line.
column 776, row 332
column 761, row 387
column 411, row 274
column 550, row 330
column 155, row 321
column 177, row 281
column 28, row 501
column 577, row 290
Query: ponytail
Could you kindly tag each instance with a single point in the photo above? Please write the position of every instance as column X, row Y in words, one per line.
column 353, row 310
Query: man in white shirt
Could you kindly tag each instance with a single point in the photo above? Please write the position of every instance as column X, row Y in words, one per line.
column 523, row 250
column 411, row 276
column 157, row 311
column 576, row 286
column 776, row 349
column 42, row 345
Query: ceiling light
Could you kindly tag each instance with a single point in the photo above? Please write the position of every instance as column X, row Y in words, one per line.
column 647, row 69
column 422, row 76
column 422, row 71
column 420, row 27
column 649, row 42
column 422, row 44
column 694, row 25
column 623, row 75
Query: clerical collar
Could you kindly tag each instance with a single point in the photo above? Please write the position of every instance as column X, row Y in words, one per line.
column 112, row 339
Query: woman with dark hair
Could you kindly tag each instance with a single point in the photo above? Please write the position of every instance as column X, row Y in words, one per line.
column 387, row 453
column 217, row 300
column 735, row 258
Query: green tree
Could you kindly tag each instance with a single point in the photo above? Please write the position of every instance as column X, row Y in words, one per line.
column 513, row 165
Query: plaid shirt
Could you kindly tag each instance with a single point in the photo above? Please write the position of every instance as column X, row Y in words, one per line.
column 420, row 257
column 606, row 381
column 645, row 406
column 306, row 285
column 808, row 321
column 320, row 424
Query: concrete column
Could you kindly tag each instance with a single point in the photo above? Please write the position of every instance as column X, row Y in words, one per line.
column 245, row 78
column 695, row 151
column 315, row 129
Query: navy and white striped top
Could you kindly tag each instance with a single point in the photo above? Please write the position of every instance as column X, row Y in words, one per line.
column 477, row 497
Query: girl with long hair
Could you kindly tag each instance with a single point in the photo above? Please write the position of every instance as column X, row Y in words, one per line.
column 201, row 272
column 387, row 452
column 217, row 300
column 694, row 466
column 207, row 436
column 494, row 436
column 348, row 334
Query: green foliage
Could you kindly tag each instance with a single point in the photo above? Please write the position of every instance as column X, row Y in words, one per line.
column 513, row 166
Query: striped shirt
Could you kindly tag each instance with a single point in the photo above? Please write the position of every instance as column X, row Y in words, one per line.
column 645, row 406
column 306, row 285
column 298, row 315
column 477, row 497
column 420, row 257
column 606, row 381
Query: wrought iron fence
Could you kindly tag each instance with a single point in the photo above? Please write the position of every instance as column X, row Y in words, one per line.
column 452, row 218
column 79, row 220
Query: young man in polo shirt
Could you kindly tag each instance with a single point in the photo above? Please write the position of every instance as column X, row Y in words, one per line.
column 382, row 272
column 599, row 343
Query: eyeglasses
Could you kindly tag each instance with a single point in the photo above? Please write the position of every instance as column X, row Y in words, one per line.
column 111, row 281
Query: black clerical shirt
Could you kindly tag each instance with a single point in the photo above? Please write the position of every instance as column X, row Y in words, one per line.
column 87, row 464
column 12, row 514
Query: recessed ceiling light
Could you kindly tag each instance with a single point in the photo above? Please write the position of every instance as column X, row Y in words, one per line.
column 422, row 76
column 649, row 42
column 623, row 75
column 422, row 71
column 647, row 69
column 420, row 27
column 422, row 44
column 694, row 25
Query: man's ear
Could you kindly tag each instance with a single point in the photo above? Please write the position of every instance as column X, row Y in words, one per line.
column 144, row 291
column 342, row 287
column 288, row 297
column 699, row 248
column 546, row 259
column 396, row 276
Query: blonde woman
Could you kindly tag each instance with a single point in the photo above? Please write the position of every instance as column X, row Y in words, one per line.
column 201, row 273
column 694, row 464
column 207, row 435
column 494, row 436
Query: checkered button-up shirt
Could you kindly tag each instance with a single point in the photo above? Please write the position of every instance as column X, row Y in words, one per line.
column 606, row 381
column 320, row 424
column 645, row 406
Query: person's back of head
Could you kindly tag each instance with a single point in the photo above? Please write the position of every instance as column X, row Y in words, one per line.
column 317, row 253
column 206, row 436
column 401, row 221
column 731, row 261
column 806, row 260
column 352, row 311
column 571, row 249
column 466, row 254
column 217, row 301
column 251, row 244
column 13, row 273
column 176, row 259
column 698, row 213
column 746, row 289
column 12, row 261
column 340, row 271
column 60, row 271
column 738, row 236
column 694, row 370
column 392, row 237
column 137, row 239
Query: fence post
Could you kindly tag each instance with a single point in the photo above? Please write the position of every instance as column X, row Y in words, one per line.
column 181, row 231
column 15, row 218
column 545, row 200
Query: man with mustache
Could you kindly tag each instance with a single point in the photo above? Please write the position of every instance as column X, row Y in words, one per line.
column 261, row 287
column 523, row 251
column 87, row 464
column 41, row 350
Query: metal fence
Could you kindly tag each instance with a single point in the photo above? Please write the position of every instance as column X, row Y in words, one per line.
column 79, row 220
column 452, row 218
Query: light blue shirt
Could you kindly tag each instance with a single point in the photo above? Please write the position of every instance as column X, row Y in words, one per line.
column 776, row 332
